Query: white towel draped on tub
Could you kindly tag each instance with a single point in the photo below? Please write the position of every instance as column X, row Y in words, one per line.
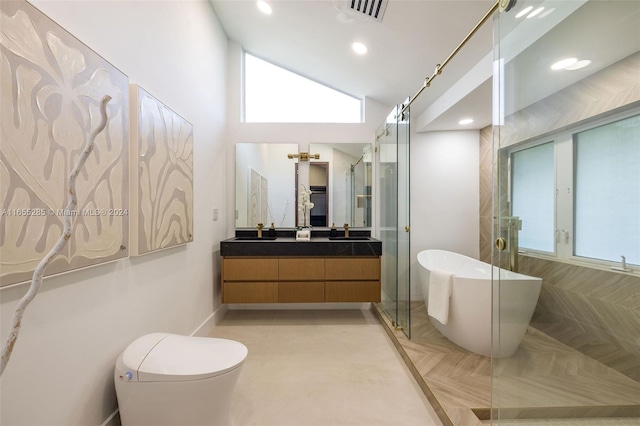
column 440, row 283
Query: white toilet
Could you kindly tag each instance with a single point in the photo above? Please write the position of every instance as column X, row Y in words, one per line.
column 168, row 379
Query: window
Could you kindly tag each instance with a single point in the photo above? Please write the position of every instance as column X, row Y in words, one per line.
column 579, row 196
column 607, row 191
column 275, row 95
column 533, row 196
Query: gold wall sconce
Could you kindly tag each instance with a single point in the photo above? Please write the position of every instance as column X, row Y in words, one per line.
column 304, row 156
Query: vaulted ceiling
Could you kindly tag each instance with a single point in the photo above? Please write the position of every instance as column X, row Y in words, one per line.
column 314, row 37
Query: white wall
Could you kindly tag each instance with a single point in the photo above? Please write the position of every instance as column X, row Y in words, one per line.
column 62, row 366
column 444, row 195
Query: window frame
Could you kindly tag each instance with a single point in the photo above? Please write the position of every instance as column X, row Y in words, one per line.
column 523, row 147
column 565, row 179
column 243, row 95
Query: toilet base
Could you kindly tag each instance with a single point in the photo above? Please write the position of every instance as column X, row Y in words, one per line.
column 204, row 402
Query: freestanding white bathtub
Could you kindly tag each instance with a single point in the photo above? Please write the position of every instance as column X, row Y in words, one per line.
column 470, row 305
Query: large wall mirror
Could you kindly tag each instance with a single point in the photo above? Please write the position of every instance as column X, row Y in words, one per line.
column 265, row 185
column 340, row 182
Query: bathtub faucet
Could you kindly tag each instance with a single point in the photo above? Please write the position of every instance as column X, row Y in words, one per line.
column 511, row 225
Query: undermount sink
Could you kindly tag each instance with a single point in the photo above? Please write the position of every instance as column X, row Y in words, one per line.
column 255, row 238
column 350, row 238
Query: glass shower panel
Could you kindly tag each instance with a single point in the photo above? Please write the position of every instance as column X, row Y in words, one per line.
column 365, row 199
column 392, row 143
column 562, row 68
column 387, row 210
column 359, row 190
column 351, row 196
column 404, row 260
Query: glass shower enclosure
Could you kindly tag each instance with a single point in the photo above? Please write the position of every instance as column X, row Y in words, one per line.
column 358, row 190
column 392, row 171
column 566, row 172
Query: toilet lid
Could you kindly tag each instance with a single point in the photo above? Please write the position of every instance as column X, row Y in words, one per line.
column 178, row 358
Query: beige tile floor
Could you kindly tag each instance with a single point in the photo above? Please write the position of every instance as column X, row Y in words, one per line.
column 321, row 367
column 545, row 378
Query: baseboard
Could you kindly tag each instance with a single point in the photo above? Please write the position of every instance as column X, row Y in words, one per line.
column 113, row 419
column 207, row 325
column 298, row 306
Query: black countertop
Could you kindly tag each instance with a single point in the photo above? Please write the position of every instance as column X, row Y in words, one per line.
column 288, row 246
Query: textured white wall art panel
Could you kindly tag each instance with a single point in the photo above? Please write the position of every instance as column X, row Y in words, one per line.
column 50, row 90
column 162, row 171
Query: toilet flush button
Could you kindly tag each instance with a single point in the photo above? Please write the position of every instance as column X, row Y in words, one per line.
column 127, row 376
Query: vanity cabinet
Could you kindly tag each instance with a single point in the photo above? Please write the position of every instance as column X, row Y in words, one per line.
column 253, row 280
column 300, row 279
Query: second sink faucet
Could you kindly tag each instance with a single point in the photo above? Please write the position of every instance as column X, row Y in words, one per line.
column 346, row 230
column 260, row 226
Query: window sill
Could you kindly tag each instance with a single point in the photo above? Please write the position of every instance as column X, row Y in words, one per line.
column 601, row 266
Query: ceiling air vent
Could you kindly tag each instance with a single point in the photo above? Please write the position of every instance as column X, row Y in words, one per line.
column 372, row 9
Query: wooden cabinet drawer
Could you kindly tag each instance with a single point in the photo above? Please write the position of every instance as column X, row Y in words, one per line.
column 250, row 269
column 300, row 279
column 300, row 292
column 301, row 269
column 250, row 292
column 352, row 291
column 352, row 268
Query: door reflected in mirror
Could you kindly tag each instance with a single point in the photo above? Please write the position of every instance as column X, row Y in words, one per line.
column 318, row 183
column 265, row 185
column 342, row 181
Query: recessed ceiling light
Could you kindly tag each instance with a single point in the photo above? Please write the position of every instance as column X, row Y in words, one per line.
column 264, row 7
column 535, row 12
column 580, row 64
column 524, row 11
column 465, row 121
column 560, row 65
column 359, row 48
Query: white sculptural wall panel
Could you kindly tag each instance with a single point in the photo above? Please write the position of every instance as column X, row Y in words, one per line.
column 50, row 90
column 162, row 173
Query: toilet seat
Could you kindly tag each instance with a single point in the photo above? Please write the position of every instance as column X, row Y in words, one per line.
column 165, row 357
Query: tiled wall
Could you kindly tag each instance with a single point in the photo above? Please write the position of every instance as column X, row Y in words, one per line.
column 486, row 185
column 594, row 311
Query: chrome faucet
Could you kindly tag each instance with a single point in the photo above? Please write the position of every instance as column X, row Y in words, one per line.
column 346, row 230
column 260, row 226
